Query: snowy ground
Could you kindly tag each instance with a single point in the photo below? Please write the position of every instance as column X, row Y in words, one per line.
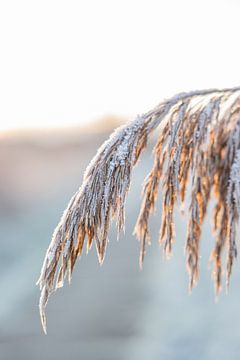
column 114, row 312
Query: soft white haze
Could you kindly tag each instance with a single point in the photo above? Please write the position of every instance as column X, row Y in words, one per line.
column 65, row 62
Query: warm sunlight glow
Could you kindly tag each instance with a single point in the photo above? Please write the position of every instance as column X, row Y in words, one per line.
column 64, row 63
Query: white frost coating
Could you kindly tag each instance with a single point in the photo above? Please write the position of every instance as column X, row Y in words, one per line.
column 51, row 253
column 204, row 117
column 234, row 184
column 66, row 247
column 177, row 122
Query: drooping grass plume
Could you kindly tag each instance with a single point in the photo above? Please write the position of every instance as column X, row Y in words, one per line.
column 198, row 149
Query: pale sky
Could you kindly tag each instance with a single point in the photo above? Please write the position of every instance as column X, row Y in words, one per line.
column 67, row 62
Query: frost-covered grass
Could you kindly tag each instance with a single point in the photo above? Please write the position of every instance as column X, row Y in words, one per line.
column 197, row 148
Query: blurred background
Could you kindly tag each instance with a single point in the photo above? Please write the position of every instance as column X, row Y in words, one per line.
column 70, row 72
column 109, row 312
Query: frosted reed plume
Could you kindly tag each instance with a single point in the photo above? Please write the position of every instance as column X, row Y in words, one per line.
column 199, row 142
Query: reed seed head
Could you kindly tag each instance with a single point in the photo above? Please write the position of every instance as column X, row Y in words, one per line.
column 198, row 149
